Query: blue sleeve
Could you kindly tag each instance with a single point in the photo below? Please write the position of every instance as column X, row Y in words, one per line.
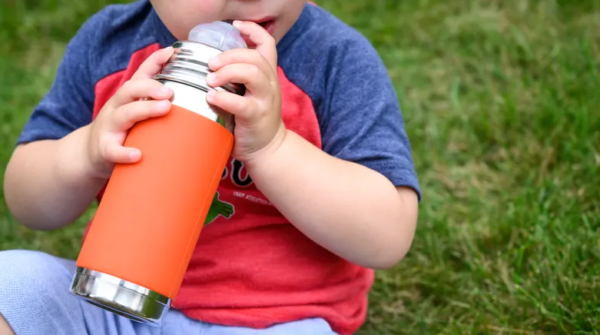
column 360, row 116
column 68, row 105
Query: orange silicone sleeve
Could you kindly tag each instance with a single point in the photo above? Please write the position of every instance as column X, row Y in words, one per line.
column 152, row 212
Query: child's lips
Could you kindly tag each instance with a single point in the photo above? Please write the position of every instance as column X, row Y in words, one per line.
column 267, row 25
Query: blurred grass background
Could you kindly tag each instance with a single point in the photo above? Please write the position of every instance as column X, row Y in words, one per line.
column 501, row 101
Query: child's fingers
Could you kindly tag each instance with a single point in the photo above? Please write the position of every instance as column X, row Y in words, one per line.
column 234, row 56
column 249, row 75
column 265, row 44
column 115, row 153
column 153, row 64
column 239, row 106
column 126, row 116
column 134, row 90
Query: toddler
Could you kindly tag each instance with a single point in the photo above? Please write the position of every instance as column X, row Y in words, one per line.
column 319, row 192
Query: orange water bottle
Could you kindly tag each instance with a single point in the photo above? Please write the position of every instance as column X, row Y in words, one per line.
column 139, row 245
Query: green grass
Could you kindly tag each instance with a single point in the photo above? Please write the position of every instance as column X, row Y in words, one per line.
column 501, row 101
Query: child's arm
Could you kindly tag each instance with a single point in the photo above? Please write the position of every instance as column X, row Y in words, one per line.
column 46, row 185
column 50, row 183
column 353, row 211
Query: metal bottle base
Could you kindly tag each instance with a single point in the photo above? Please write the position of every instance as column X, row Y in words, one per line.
column 120, row 296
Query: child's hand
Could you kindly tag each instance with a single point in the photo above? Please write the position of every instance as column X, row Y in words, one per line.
column 128, row 106
column 259, row 128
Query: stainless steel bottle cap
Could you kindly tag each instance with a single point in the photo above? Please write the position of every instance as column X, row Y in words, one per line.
column 120, row 297
column 189, row 65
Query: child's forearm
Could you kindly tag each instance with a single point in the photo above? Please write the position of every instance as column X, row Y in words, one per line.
column 349, row 209
column 47, row 184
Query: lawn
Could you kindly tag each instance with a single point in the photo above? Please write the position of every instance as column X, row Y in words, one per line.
column 501, row 101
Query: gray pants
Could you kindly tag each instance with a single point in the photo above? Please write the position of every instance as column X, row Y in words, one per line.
column 35, row 300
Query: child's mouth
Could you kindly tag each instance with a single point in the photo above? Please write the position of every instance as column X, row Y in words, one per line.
column 267, row 25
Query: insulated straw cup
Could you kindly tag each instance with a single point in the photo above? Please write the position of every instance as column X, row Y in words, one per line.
column 139, row 245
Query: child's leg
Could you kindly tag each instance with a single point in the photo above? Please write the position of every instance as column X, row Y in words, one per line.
column 309, row 326
column 35, row 299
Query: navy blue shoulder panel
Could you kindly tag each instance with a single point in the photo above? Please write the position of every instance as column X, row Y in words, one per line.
column 120, row 30
column 355, row 101
column 103, row 45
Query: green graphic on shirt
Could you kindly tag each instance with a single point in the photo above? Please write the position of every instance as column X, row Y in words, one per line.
column 217, row 208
